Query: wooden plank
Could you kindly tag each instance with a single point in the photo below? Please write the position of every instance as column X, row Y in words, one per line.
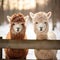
column 0, row 50
column 30, row 44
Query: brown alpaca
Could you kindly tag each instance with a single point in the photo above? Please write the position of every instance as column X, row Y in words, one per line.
column 40, row 21
column 17, row 32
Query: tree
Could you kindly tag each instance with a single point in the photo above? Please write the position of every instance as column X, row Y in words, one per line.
column 1, row 11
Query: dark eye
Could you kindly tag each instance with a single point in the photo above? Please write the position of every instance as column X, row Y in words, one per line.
column 44, row 22
column 22, row 24
column 36, row 23
column 13, row 24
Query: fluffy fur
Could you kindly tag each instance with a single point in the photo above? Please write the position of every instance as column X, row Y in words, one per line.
column 17, row 32
column 40, row 22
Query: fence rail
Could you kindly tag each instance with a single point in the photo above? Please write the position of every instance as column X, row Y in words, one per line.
column 30, row 44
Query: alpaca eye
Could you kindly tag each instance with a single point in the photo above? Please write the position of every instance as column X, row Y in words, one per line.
column 44, row 22
column 13, row 24
column 36, row 23
column 22, row 24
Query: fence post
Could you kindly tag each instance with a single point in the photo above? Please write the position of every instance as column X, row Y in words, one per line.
column 0, row 51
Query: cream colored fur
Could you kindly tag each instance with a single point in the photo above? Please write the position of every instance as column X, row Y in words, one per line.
column 51, row 35
column 39, row 19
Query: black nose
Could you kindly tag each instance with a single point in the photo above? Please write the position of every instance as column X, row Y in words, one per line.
column 41, row 28
column 17, row 29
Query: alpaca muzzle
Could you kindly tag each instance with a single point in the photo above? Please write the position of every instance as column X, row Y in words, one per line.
column 41, row 28
column 18, row 29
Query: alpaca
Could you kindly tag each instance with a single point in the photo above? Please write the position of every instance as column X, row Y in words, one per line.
column 17, row 32
column 40, row 22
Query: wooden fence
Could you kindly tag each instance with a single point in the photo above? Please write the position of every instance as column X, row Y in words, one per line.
column 30, row 44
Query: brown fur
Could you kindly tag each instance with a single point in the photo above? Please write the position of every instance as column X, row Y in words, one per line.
column 16, row 53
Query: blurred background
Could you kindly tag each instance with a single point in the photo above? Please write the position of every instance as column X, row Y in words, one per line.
column 9, row 7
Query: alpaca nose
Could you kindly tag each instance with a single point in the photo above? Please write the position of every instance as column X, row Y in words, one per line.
column 18, row 29
column 41, row 28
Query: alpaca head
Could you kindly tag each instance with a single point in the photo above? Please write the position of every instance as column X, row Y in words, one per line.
column 17, row 23
column 40, row 21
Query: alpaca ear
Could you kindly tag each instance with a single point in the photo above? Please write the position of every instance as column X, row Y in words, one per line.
column 9, row 18
column 26, row 18
column 49, row 14
column 31, row 14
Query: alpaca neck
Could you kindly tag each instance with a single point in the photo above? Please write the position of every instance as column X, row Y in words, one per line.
column 42, row 36
column 18, row 36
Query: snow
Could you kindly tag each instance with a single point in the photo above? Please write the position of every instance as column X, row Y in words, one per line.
column 30, row 35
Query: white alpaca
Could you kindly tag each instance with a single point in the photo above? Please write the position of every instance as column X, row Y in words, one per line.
column 40, row 22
